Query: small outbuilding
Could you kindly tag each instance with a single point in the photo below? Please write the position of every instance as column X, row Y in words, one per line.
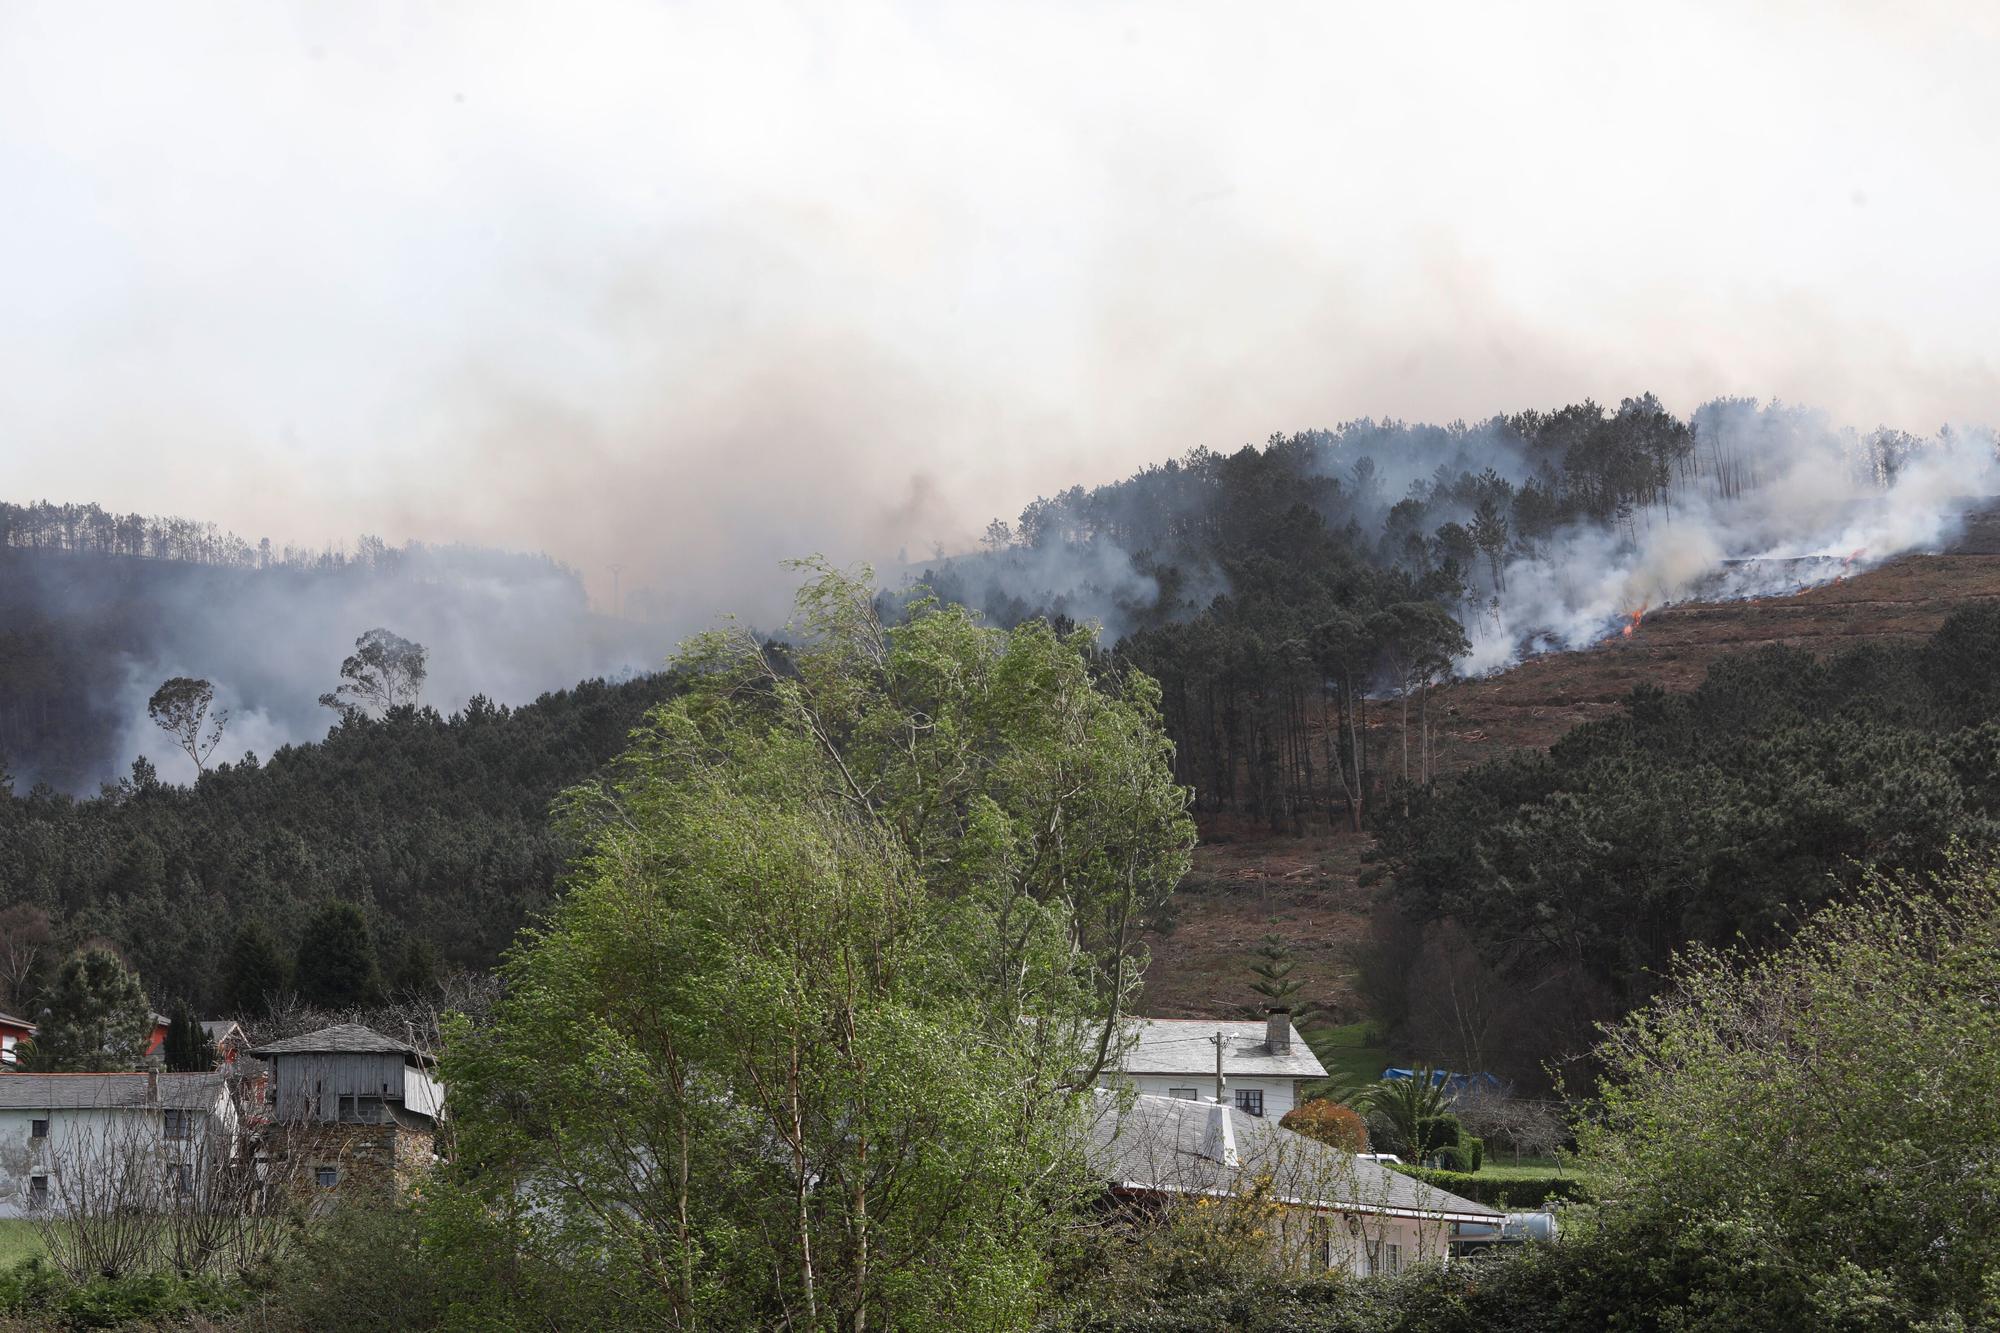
column 363, row 1107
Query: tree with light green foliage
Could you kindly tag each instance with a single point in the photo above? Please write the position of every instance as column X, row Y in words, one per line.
column 1837, row 1101
column 807, row 1041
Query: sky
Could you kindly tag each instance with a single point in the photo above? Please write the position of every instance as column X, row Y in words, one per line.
column 688, row 289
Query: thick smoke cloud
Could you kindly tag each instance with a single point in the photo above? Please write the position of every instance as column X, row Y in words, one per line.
column 685, row 289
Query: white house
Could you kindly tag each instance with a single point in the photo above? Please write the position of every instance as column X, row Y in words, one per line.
column 85, row 1127
column 1265, row 1064
column 1319, row 1208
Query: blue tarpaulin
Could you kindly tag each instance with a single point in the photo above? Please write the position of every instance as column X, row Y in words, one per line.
column 1450, row 1082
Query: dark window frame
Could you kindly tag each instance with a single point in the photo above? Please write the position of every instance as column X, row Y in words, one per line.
column 1250, row 1101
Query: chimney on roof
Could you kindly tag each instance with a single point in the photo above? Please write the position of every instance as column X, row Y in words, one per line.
column 1278, row 1031
column 1219, row 1143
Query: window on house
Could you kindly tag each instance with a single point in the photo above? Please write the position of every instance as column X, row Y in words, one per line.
column 38, row 1191
column 180, row 1177
column 1319, row 1241
column 326, row 1177
column 1392, row 1258
column 1250, row 1101
column 361, row 1110
column 180, row 1124
column 1185, row 1094
column 38, row 1129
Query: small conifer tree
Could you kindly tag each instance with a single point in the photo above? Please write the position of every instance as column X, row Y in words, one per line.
column 337, row 968
column 187, row 1048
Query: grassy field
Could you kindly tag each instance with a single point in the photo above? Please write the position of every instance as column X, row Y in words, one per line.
column 1501, row 1166
column 1353, row 1054
column 18, row 1240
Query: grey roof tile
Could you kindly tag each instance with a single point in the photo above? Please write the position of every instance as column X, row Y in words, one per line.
column 1169, row 1145
column 340, row 1039
column 1183, row 1046
column 85, row 1092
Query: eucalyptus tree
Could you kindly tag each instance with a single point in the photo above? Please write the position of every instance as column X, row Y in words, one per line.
column 806, row 1041
column 183, row 707
column 384, row 672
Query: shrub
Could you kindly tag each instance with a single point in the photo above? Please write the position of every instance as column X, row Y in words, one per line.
column 1329, row 1122
column 364, row 1268
column 36, row 1293
column 1509, row 1192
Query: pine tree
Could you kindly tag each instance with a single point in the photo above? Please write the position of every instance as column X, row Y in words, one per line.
column 416, row 968
column 1275, row 983
column 255, row 971
column 337, row 968
column 187, row 1048
column 97, row 1017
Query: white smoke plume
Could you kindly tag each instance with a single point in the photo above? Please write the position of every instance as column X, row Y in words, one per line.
column 1817, row 504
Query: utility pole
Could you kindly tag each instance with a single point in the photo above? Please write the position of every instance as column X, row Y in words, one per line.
column 1220, row 1082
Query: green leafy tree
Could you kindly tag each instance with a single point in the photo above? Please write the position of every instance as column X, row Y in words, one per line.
column 254, row 971
column 336, row 967
column 96, row 1018
column 187, row 1048
column 1838, row 1099
column 853, row 920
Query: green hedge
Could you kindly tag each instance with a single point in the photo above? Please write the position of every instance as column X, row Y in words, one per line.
column 32, row 1290
column 1517, row 1192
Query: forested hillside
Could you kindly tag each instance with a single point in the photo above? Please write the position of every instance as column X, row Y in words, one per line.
column 1283, row 595
column 438, row 826
column 97, row 609
column 1552, row 888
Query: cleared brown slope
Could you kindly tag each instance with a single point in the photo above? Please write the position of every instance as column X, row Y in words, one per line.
column 1247, row 882
column 1534, row 703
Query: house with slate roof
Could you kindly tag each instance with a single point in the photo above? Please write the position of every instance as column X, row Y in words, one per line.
column 58, row 1125
column 1323, row 1209
column 347, row 1105
column 1265, row 1063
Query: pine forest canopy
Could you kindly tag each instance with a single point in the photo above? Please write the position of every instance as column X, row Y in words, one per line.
column 1279, row 594
column 438, row 826
column 1563, row 883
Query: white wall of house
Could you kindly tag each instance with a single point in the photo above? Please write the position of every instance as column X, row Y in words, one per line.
column 1359, row 1244
column 74, row 1136
column 1279, row 1095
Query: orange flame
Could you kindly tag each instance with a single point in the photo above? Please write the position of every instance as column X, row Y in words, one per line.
column 1636, row 617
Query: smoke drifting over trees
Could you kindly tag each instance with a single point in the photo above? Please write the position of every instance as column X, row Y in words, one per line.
column 1281, row 593
column 97, row 610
